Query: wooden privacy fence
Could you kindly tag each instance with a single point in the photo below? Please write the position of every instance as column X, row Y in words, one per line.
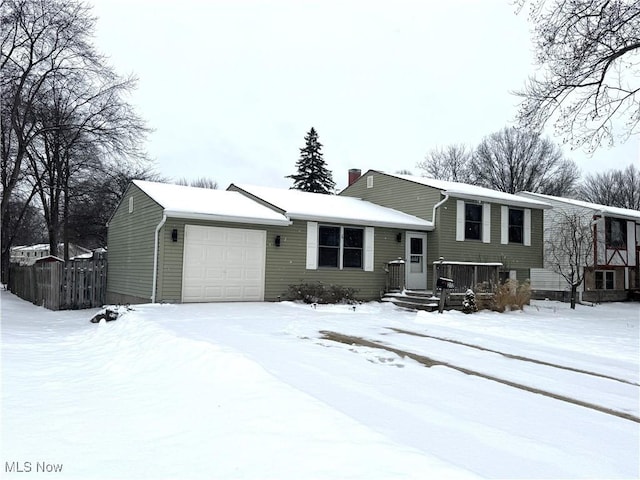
column 61, row 285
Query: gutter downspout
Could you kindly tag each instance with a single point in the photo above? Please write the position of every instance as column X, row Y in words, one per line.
column 433, row 217
column 156, row 247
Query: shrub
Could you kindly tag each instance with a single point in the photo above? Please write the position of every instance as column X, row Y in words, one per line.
column 512, row 296
column 320, row 293
column 469, row 302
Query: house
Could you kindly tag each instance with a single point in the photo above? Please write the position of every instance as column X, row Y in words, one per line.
column 29, row 254
column 472, row 224
column 614, row 269
column 170, row 243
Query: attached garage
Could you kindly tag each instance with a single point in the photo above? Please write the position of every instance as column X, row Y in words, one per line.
column 223, row 264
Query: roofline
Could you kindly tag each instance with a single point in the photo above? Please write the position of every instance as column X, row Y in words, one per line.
column 514, row 203
column 227, row 218
column 363, row 223
column 596, row 207
column 469, row 196
column 235, row 188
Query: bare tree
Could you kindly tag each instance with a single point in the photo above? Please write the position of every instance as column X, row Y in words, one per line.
column 514, row 160
column 448, row 163
column 615, row 188
column 95, row 196
column 569, row 246
column 201, row 182
column 588, row 83
column 62, row 109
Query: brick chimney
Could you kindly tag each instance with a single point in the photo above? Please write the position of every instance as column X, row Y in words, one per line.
column 354, row 174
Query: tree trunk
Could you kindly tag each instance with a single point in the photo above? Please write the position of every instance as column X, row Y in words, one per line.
column 6, row 249
column 574, row 290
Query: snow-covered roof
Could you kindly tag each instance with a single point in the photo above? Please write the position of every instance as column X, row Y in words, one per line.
column 208, row 204
column 604, row 209
column 333, row 208
column 472, row 192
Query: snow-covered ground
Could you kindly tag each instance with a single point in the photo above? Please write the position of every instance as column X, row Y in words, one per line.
column 219, row 391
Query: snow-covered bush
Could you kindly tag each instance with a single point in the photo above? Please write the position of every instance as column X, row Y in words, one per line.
column 318, row 292
column 469, row 302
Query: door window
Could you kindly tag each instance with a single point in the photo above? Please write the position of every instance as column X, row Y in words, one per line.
column 416, row 264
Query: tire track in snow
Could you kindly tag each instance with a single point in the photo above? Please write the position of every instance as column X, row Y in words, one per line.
column 515, row 357
column 429, row 362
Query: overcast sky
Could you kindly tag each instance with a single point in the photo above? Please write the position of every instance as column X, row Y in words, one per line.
column 231, row 87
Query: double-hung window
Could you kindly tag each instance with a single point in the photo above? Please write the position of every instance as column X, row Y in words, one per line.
column 340, row 247
column 516, row 225
column 473, row 221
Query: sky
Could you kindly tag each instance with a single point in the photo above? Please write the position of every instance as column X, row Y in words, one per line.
column 230, row 88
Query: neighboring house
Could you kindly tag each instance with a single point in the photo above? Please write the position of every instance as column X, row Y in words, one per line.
column 615, row 266
column 170, row 243
column 471, row 224
column 29, row 254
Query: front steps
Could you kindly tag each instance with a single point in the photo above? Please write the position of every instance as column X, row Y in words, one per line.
column 413, row 300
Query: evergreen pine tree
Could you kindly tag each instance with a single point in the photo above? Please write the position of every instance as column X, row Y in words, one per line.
column 313, row 175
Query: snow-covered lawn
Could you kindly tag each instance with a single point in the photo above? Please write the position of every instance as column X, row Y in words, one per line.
column 259, row 391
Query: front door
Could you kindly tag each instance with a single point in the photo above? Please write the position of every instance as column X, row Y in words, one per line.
column 416, row 266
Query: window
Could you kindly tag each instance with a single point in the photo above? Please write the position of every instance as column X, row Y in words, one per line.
column 130, row 204
column 616, row 233
column 473, row 221
column 605, row 279
column 340, row 247
column 516, row 225
column 370, row 181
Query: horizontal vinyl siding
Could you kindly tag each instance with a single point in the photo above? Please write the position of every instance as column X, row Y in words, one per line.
column 285, row 265
column 513, row 256
column 396, row 193
column 130, row 240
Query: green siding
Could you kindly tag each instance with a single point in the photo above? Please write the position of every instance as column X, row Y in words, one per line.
column 396, row 193
column 130, row 240
column 419, row 200
column 285, row 265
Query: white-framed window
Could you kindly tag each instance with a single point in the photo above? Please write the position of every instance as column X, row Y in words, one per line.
column 370, row 181
column 515, row 226
column 473, row 221
column 130, row 204
column 340, row 247
column 605, row 280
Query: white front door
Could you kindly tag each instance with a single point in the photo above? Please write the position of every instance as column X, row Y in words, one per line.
column 416, row 266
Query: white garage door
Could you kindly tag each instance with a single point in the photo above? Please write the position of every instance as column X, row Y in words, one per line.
column 223, row 264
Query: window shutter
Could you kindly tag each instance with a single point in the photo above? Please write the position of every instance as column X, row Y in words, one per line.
column 486, row 223
column 312, row 245
column 504, row 224
column 460, row 222
column 368, row 249
column 527, row 227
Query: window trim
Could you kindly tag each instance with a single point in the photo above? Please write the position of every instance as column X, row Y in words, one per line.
column 520, row 226
column 607, row 233
column 368, row 261
column 480, row 222
column 341, row 247
column 604, row 274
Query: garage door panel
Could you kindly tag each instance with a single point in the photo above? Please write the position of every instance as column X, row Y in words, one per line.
column 223, row 264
